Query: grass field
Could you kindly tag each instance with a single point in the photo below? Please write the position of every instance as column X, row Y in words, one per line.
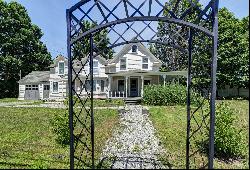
column 170, row 124
column 10, row 100
column 28, row 142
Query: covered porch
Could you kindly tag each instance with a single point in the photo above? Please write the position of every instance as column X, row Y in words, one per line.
column 130, row 84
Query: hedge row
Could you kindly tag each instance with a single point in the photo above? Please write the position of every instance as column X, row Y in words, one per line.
column 168, row 95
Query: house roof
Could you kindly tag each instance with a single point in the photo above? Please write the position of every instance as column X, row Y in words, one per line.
column 35, row 77
column 57, row 59
column 147, row 73
column 84, row 59
column 127, row 48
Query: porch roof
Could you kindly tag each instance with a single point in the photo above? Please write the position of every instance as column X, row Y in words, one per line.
column 148, row 73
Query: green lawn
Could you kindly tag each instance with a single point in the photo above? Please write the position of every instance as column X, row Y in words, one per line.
column 8, row 100
column 170, row 124
column 28, row 142
column 15, row 100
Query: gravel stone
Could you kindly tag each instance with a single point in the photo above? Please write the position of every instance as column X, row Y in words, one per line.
column 134, row 145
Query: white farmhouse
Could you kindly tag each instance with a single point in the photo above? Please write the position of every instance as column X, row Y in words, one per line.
column 123, row 76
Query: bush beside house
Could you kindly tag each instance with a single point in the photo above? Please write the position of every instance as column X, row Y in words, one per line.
column 168, row 95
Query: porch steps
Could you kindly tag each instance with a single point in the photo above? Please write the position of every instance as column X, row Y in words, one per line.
column 132, row 101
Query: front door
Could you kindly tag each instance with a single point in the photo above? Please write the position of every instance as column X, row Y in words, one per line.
column 46, row 91
column 133, row 87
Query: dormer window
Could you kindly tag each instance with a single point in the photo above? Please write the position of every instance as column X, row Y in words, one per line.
column 61, row 68
column 134, row 49
column 145, row 63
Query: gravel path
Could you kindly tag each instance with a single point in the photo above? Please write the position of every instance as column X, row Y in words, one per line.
column 134, row 144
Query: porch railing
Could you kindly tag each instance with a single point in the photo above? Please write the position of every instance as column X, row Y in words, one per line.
column 117, row 94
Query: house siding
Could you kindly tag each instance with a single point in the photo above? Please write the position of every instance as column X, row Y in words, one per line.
column 133, row 62
column 21, row 92
column 40, row 88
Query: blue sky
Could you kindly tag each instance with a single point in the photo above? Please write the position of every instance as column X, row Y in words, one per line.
column 50, row 16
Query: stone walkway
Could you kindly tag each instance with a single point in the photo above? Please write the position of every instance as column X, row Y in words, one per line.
column 134, row 144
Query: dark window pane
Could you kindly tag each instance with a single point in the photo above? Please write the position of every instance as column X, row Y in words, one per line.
column 46, row 87
column 146, row 82
column 145, row 66
column 123, row 60
column 95, row 63
column 94, row 85
column 55, row 86
column 134, row 48
column 121, row 85
column 61, row 68
column 95, row 70
column 123, row 64
column 145, row 60
column 88, row 85
column 102, row 85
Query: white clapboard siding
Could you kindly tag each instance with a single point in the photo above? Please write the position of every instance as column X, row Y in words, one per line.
column 21, row 92
column 40, row 87
column 134, row 62
column 99, row 73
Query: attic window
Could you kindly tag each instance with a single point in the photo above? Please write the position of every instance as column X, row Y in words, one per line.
column 134, row 48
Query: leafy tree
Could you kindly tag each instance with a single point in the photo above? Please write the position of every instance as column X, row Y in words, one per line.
column 174, row 34
column 20, row 47
column 233, row 49
column 101, row 42
column 233, row 52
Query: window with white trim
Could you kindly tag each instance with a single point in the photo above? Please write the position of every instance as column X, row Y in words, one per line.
column 88, row 85
column 46, row 87
column 123, row 64
column 94, row 85
column 61, row 68
column 95, row 67
column 55, row 87
column 134, row 49
column 144, row 63
column 147, row 82
column 121, row 85
column 102, row 85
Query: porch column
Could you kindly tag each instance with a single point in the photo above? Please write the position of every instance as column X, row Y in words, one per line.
column 164, row 77
column 109, row 85
column 142, row 85
column 126, row 86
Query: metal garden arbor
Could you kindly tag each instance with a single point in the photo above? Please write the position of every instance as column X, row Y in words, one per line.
column 192, row 31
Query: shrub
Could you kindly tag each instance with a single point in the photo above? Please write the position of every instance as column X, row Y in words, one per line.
column 60, row 126
column 229, row 141
column 170, row 94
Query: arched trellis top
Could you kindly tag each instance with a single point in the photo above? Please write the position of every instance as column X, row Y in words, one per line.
column 109, row 14
column 126, row 4
column 151, row 18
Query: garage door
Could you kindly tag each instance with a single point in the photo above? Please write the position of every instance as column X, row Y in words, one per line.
column 31, row 92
